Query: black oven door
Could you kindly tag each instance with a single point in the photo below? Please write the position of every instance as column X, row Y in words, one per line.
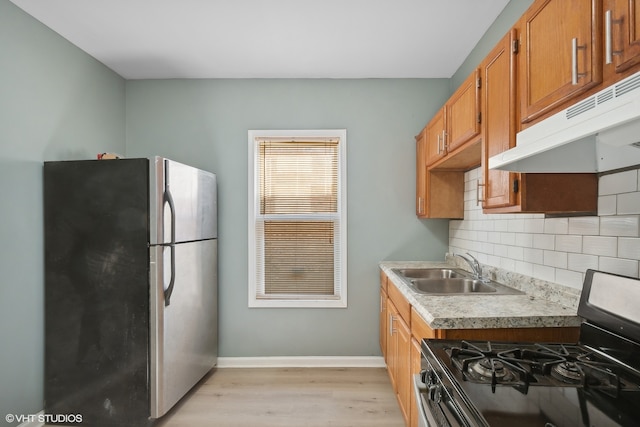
column 435, row 409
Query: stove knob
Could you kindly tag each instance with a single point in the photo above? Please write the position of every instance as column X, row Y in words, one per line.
column 428, row 377
column 424, row 375
column 435, row 393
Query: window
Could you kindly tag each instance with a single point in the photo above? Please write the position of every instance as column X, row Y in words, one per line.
column 297, row 218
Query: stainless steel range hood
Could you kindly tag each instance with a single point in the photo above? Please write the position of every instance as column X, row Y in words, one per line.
column 598, row 134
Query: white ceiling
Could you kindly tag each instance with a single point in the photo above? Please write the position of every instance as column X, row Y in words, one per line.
column 142, row 39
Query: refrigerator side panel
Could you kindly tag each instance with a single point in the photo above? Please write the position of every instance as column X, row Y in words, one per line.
column 184, row 333
column 187, row 193
column 96, row 290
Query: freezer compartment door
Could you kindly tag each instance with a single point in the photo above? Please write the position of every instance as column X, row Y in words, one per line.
column 184, row 335
column 183, row 201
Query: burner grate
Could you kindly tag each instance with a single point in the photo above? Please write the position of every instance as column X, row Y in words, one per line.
column 521, row 365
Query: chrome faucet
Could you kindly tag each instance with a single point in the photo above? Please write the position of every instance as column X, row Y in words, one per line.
column 474, row 264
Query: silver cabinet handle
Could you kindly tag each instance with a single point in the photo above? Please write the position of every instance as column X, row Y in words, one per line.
column 608, row 39
column 419, row 205
column 574, row 61
column 479, row 194
column 444, row 141
column 438, row 146
column 391, row 324
column 608, row 34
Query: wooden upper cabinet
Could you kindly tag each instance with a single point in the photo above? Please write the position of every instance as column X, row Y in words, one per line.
column 463, row 113
column 439, row 193
column 562, row 55
column 421, row 173
column 499, row 122
column 505, row 191
column 622, row 34
column 454, row 126
column 435, row 133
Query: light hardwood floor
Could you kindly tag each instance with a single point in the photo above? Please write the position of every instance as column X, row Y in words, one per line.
column 283, row 397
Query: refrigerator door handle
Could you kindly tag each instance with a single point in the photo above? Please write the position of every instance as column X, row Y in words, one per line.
column 172, row 244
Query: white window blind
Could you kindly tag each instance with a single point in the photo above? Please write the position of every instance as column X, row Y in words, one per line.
column 297, row 219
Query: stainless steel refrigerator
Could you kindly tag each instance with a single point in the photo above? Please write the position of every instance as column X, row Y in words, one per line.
column 131, row 321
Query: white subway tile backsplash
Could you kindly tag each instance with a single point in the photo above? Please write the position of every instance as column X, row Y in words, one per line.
column 607, row 205
column 544, row 241
column 494, row 237
column 508, row 264
column 629, row 247
column 600, row 245
column 525, row 268
column 556, row 225
column 534, row 256
column 628, row 203
column 627, row 226
column 516, row 225
column 582, row 262
column 508, row 238
column 569, row 243
column 524, row 240
column 556, row 249
column 515, row 253
column 493, row 260
column 569, row 278
column 501, row 226
column 625, row 267
column 543, row 272
column 501, row 250
column 584, row 225
column 555, row 259
column 535, row 225
column 487, row 248
column 622, row 182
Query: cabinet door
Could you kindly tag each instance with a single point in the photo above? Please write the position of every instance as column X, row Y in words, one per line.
column 435, row 137
column 421, row 174
column 415, row 369
column 392, row 343
column 403, row 368
column 383, row 323
column 622, row 33
column 562, row 54
column 463, row 113
column 499, row 127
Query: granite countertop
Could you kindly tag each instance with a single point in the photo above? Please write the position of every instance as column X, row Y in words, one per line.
column 542, row 305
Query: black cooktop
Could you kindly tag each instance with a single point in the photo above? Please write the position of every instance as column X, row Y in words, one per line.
column 544, row 384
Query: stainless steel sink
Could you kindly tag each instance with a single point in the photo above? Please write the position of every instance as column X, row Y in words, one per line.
column 430, row 273
column 451, row 286
column 450, row 281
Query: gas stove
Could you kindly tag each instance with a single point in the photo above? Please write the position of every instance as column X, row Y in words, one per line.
column 594, row 382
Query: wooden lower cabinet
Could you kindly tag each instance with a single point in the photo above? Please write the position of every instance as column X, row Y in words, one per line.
column 398, row 342
column 402, row 330
column 384, row 329
column 402, row 334
column 415, row 369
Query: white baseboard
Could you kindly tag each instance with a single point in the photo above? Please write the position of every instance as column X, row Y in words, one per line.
column 302, row 362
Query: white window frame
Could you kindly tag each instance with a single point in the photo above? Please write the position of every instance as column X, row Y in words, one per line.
column 255, row 136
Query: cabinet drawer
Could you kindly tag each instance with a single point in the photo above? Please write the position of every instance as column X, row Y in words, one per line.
column 419, row 328
column 383, row 281
column 401, row 303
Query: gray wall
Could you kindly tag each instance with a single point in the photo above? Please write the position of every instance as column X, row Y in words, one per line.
column 205, row 123
column 503, row 23
column 55, row 103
